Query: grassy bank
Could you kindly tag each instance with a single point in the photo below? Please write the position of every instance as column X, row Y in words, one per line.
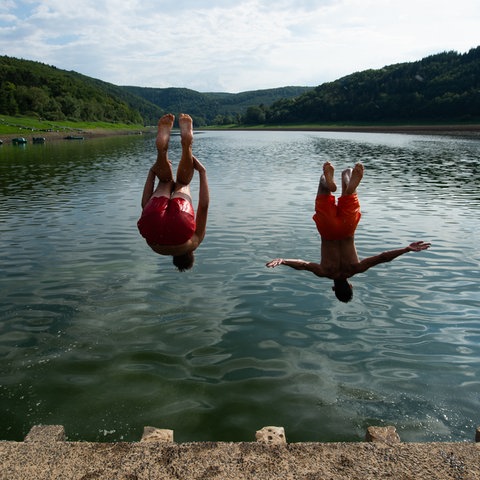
column 29, row 126
column 21, row 126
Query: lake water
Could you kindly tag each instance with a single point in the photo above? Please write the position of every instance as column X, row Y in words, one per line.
column 103, row 336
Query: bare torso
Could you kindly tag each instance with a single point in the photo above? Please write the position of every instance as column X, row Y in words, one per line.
column 339, row 258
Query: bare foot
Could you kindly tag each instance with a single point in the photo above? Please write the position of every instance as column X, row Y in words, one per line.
column 186, row 129
column 328, row 172
column 165, row 125
column 355, row 178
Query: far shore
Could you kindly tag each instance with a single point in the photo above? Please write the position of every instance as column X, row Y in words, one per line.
column 471, row 130
column 457, row 130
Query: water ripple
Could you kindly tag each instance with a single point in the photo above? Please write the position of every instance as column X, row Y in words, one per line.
column 99, row 334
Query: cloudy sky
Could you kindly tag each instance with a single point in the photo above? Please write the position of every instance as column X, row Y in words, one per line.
column 233, row 45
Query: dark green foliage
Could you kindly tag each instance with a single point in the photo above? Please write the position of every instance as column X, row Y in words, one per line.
column 34, row 89
column 439, row 88
column 213, row 108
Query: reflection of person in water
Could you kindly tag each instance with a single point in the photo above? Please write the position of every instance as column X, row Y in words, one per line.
column 336, row 225
column 168, row 221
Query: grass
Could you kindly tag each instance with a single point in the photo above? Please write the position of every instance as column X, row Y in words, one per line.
column 21, row 125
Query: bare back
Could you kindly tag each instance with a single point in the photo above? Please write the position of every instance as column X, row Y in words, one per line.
column 339, row 258
column 175, row 250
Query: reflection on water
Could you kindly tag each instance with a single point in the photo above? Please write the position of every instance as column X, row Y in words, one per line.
column 99, row 334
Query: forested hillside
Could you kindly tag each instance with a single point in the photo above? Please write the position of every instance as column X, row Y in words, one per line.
column 439, row 88
column 214, row 108
column 35, row 89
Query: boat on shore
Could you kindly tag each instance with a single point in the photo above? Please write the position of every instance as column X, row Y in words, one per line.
column 73, row 137
column 19, row 141
column 38, row 139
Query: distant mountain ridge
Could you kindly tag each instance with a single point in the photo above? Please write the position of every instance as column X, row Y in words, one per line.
column 439, row 88
column 35, row 89
column 213, row 108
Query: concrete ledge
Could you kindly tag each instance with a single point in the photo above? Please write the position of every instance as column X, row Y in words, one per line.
column 56, row 459
column 46, row 433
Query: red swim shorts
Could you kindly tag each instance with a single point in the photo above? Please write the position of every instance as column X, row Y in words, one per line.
column 336, row 222
column 167, row 221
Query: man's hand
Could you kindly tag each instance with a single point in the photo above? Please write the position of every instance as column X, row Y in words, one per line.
column 274, row 263
column 197, row 165
column 418, row 246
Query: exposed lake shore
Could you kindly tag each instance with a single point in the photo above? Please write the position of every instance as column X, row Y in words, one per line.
column 470, row 130
column 64, row 135
column 457, row 130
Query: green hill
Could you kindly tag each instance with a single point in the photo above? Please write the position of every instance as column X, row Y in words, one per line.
column 39, row 90
column 213, row 108
column 34, row 89
column 439, row 88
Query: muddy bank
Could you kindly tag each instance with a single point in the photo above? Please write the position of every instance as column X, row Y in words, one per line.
column 470, row 131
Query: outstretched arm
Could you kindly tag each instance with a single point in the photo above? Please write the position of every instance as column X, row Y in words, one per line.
column 148, row 188
column 203, row 201
column 390, row 255
column 297, row 264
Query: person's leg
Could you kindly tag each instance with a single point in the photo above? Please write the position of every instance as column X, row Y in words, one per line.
column 327, row 184
column 348, row 210
column 163, row 167
column 325, row 203
column 185, row 167
column 346, row 175
column 351, row 178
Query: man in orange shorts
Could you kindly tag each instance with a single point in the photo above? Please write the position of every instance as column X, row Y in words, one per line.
column 336, row 224
column 168, row 221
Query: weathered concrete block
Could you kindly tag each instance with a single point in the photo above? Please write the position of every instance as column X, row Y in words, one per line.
column 382, row 434
column 152, row 434
column 271, row 435
column 46, row 433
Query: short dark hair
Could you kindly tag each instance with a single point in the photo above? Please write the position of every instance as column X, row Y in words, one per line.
column 184, row 262
column 343, row 290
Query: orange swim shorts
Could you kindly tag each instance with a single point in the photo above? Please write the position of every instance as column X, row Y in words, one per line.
column 167, row 221
column 336, row 222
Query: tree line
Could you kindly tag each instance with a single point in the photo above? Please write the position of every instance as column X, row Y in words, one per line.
column 214, row 108
column 439, row 88
column 35, row 89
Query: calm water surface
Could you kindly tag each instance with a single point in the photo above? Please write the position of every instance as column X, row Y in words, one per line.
column 101, row 335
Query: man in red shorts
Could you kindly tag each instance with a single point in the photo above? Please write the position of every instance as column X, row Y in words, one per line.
column 168, row 221
column 336, row 224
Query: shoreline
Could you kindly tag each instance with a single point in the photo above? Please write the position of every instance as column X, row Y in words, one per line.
column 62, row 135
column 471, row 131
column 45, row 453
column 454, row 129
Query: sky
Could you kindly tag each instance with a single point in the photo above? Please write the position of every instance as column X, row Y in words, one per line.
column 233, row 45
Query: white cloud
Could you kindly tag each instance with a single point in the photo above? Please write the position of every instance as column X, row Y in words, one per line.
column 232, row 45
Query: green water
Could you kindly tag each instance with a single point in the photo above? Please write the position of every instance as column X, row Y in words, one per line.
column 101, row 335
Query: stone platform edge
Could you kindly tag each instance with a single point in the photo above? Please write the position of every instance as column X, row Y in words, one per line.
column 46, row 454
